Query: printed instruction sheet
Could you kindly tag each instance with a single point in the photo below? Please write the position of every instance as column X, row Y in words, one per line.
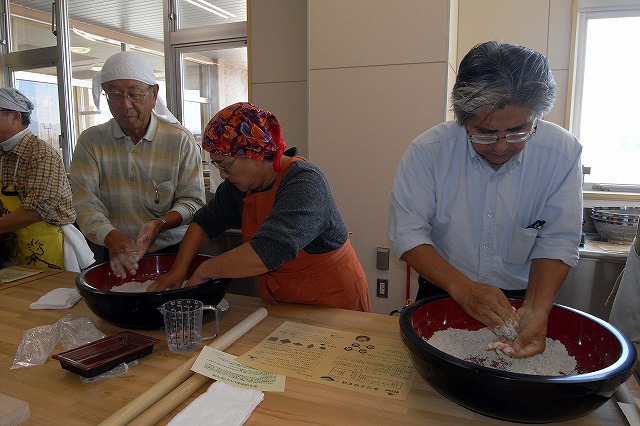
column 347, row 360
column 222, row 366
column 13, row 273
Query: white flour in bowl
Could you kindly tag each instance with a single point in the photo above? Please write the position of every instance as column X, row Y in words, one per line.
column 133, row 287
column 136, row 287
column 472, row 346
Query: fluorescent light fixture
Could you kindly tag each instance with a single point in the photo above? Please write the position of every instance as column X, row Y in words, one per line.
column 211, row 8
column 85, row 34
column 199, row 59
column 146, row 50
column 95, row 38
column 80, row 49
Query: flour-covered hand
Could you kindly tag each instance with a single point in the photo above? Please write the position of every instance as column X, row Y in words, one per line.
column 125, row 262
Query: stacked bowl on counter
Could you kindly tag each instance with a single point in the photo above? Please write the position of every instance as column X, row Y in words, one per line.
column 616, row 224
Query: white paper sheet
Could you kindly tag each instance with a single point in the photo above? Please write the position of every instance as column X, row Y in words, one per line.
column 222, row 366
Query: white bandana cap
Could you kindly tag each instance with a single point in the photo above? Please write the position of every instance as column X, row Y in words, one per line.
column 129, row 65
column 12, row 99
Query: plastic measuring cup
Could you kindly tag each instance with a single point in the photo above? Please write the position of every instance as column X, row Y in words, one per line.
column 183, row 323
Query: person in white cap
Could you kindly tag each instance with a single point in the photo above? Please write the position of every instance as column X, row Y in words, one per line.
column 37, row 206
column 137, row 179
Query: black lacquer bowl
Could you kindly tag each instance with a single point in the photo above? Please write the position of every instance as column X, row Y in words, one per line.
column 605, row 359
column 140, row 310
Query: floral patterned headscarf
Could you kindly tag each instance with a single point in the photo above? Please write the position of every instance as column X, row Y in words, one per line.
column 244, row 130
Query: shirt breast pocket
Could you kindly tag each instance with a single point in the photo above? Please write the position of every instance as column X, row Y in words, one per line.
column 518, row 245
column 160, row 197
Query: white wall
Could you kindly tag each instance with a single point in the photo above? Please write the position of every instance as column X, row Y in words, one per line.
column 277, row 39
column 376, row 76
column 377, row 79
column 542, row 25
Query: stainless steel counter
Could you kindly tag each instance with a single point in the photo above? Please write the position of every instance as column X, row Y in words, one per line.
column 590, row 282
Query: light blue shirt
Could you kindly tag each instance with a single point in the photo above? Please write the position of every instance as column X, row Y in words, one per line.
column 447, row 196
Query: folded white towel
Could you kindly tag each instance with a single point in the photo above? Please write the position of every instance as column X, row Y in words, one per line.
column 221, row 404
column 77, row 253
column 60, row 298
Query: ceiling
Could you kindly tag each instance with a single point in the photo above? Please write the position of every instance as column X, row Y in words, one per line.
column 119, row 20
column 141, row 18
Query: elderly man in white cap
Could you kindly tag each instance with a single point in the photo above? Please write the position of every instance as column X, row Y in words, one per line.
column 136, row 179
column 37, row 207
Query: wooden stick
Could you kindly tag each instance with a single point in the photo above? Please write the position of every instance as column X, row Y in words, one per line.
column 176, row 397
column 178, row 376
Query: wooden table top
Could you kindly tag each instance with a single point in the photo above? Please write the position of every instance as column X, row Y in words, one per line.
column 56, row 396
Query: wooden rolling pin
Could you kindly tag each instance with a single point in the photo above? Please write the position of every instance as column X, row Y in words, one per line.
column 178, row 378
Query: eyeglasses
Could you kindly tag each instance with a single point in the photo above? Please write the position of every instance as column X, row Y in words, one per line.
column 224, row 168
column 509, row 137
column 132, row 96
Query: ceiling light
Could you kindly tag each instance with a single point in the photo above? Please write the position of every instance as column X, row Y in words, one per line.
column 80, row 49
column 146, row 50
column 211, row 8
column 95, row 38
column 199, row 59
column 85, row 34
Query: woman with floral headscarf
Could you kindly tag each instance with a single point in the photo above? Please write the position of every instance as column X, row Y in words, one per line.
column 294, row 238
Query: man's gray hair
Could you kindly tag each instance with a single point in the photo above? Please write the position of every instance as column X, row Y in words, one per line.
column 496, row 74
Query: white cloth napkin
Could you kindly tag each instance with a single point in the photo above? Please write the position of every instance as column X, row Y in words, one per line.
column 77, row 253
column 60, row 298
column 221, row 404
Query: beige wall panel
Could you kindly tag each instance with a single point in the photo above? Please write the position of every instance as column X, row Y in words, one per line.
column 361, row 122
column 559, row 45
column 374, row 32
column 278, row 37
column 522, row 22
column 288, row 102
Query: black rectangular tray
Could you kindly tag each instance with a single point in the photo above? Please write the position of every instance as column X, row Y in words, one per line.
column 103, row 355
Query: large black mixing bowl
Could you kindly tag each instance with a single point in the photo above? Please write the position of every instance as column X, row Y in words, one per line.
column 140, row 310
column 605, row 359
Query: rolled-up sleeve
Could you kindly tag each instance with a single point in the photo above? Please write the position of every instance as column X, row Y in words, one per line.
column 412, row 203
column 563, row 208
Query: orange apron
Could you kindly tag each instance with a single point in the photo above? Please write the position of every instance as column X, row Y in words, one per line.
column 334, row 279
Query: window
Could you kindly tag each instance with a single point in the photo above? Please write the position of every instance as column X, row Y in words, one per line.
column 606, row 106
column 97, row 30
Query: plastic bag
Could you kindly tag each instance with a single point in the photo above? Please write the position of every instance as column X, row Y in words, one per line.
column 38, row 342
column 78, row 332
column 118, row 370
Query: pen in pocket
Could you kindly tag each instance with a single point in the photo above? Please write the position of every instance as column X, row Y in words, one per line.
column 537, row 224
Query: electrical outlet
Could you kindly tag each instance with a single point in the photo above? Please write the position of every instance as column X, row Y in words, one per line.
column 382, row 288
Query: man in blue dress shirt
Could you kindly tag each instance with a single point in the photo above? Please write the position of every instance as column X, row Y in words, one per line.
column 490, row 205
